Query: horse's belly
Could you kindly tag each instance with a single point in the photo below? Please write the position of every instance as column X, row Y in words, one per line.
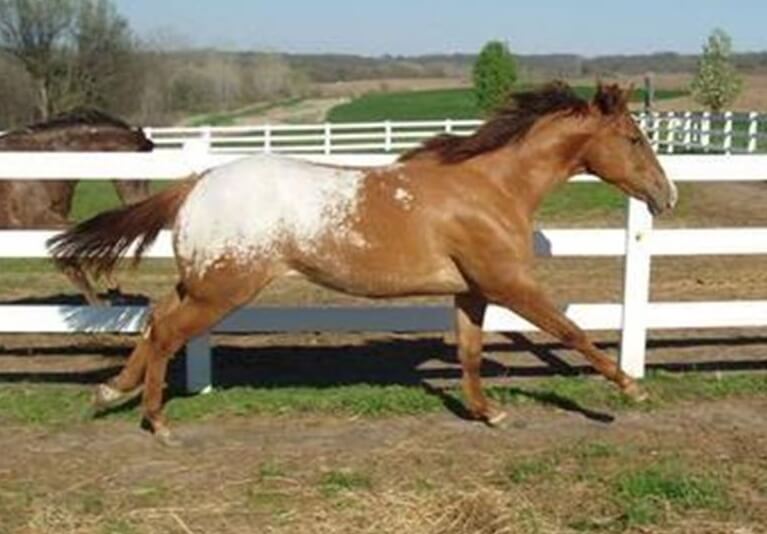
column 379, row 280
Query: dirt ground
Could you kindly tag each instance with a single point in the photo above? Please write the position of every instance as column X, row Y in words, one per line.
column 433, row 473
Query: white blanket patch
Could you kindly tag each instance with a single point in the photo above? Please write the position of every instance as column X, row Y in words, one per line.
column 242, row 209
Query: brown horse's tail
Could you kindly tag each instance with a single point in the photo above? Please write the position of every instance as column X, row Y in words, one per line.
column 97, row 244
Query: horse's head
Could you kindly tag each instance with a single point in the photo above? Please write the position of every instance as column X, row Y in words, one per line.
column 143, row 143
column 620, row 154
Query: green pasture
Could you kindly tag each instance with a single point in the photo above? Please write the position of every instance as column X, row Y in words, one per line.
column 435, row 105
column 54, row 405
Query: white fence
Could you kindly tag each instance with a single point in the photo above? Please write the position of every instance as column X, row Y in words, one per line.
column 670, row 132
column 638, row 243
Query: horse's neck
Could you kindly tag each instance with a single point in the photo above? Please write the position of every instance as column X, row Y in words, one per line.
column 544, row 159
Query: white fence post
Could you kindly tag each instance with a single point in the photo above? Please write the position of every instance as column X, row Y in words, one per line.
column 328, row 145
column 199, row 376
column 267, row 139
column 727, row 143
column 671, row 125
column 753, row 131
column 655, row 126
column 387, row 136
column 705, row 128
column 687, row 129
column 636, row 289
column 448, row 126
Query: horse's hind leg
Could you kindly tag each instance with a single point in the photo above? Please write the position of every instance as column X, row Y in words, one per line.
column 172, row 323
column 470, row 312
column 80, row 280
column 197, row 310
column 128, row 383
column 189, row 318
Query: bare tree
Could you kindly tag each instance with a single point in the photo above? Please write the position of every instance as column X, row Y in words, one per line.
column 35, row 32
column 104, row 55
column 17, row 95
column 75, row 51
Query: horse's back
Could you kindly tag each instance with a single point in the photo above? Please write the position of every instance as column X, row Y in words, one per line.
column 257, row 205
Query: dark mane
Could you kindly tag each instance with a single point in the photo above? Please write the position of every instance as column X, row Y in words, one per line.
column 509, row 124
column 79, row 117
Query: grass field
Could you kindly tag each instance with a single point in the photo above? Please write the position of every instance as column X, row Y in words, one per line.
column 434, row 105
column 52, row 405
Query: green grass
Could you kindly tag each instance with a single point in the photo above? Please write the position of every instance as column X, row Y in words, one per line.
column 339, row 481
column 56, row 405
column 434, row 105
column 91, row 198
column 360, row 400
column 414, row 105
column 582, row 200
column 645, row 494
column 527, row 470
column 94, row 196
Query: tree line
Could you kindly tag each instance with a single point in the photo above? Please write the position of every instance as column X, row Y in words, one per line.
column 56, row 55
column 59, row 54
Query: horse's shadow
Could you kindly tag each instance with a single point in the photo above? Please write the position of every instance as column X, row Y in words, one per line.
column 426, row 361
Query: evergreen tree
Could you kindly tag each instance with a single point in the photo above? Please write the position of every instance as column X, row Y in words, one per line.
column 495, row 73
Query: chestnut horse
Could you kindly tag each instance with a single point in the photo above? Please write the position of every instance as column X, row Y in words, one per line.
column 453, row 217
column 45, row 204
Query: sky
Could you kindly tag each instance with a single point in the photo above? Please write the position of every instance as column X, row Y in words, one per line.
column 414, row 27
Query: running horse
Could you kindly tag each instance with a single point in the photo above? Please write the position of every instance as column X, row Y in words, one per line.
column 45, row 204
column 452, row 217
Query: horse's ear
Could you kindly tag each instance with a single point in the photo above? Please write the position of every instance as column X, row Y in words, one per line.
column 610, row 99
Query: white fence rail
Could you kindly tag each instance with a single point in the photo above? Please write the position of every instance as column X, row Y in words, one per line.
column 638, row 243
column 670, row 132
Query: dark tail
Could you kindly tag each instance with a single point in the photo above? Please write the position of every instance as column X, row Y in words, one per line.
column 97, row 244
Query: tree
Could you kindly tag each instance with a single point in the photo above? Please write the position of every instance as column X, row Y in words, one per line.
column 717, row 83
column 495, row 72
column 33, row 31
column 75, row 51
column 104, row 55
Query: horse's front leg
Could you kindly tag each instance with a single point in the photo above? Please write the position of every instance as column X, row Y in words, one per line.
column 469, row 313
column 516, row 289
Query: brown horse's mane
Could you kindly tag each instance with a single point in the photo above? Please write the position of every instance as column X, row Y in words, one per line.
column 76, row 117
column 514, row 119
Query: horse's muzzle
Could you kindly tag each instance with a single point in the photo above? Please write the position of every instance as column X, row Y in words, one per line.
column 664, row 198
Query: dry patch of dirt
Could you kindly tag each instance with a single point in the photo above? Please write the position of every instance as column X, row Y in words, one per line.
column 545, row 471
column 358, row 88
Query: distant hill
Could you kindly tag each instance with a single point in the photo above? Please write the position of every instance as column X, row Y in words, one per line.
column 335, row 67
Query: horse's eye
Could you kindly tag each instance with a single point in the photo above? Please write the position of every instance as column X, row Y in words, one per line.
column 636, row 140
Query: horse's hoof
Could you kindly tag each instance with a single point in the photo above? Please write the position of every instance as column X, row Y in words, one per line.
column 496, row 418
column 492, row 416
column 165, row 437
column 634, row 392
column 106, row 397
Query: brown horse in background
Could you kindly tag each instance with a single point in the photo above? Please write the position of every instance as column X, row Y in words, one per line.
column 453, row 217
column 46, row 204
